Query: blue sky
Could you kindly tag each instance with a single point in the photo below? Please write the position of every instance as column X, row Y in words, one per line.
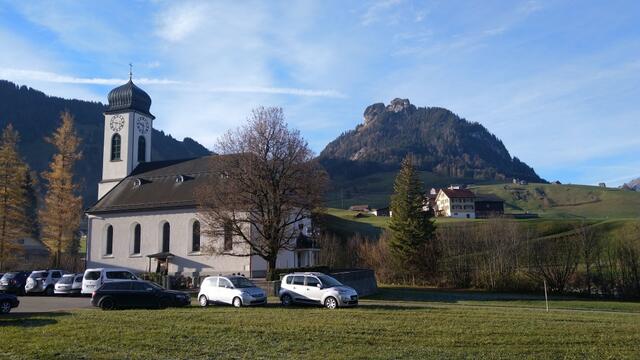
column 557, row 81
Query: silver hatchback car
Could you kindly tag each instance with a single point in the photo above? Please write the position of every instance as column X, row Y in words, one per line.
column 233, row 290
column 316, row 289
column 69, row 284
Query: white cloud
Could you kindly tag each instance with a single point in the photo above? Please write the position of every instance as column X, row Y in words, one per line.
column 45, row 76
column 377, row 10
column 180, row 21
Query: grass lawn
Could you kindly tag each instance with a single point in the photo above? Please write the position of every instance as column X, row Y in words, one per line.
column 397, row 323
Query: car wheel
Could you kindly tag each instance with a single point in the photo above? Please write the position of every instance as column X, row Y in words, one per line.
column 204, row 302
column 5, row 307
column 330, row 302
column 107, row 304
column 286, row 300
column 237, row 302
column 49, row 291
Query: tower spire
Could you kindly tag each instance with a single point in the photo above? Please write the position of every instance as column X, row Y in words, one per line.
column 130, row 71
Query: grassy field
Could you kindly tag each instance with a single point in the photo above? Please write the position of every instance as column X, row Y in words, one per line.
column 397, row 323
column 345, row 223
column 566, row 201
column 548, row 200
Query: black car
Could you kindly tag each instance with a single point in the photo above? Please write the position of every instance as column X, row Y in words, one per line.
column 14, row 282
column 8, row 302
column 137, row 294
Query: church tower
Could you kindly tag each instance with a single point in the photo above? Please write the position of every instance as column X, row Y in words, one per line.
column 127, row 134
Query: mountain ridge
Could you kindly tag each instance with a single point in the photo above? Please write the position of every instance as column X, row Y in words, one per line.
column 439, row 141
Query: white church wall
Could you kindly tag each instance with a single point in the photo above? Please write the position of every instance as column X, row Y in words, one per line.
column 184, row 260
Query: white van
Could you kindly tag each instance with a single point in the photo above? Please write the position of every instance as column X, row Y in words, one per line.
column 94, row 278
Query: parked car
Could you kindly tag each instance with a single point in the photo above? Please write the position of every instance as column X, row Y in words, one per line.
column 94, row 278
column 43, row 281
column 316, row 288
column 14, row 282
column 233, row 290
column 137, row 293
column 8, row 302
column 69, row 284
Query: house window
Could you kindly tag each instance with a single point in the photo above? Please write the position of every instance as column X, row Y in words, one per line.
column 166, row 237
column 142, row 149
column 137, row 238
column 109, row 245
column 228, row 236
column 195, row 236
column 115, row 147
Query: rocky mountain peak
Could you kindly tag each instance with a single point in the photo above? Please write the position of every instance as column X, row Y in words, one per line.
column 396, row 105
column 399, row 105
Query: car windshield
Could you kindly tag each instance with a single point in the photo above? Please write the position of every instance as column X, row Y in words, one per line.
column 240, row 282
column 8, row 276
column 92, row 275
column 328, row 281
column 66, row 280
column 39, row 274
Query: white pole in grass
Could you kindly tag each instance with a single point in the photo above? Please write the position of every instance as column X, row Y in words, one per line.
column 546, row 300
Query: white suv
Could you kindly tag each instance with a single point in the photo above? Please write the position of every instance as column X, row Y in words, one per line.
column 233, row 290
column 316, row 288
column 43, row 281
column 94, row 278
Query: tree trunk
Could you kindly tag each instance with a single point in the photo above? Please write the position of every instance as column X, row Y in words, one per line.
column 271, row 269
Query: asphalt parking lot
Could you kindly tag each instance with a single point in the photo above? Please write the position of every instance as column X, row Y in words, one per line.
column 44, row 304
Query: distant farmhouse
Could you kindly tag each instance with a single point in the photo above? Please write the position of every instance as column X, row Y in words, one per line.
column 146, row 218
column 457, row 202
column 359, row 208
column 385, row 211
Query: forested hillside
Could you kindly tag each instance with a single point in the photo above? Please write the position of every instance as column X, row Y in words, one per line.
column 35, row 115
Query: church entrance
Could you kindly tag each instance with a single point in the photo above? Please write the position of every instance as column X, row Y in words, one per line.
column 162, row 262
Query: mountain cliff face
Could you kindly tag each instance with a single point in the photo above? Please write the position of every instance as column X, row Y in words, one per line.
column 439, row 141
column 36, row 115
column 633, row 185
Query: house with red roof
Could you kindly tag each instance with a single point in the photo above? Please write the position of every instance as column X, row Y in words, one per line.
column 456, row 202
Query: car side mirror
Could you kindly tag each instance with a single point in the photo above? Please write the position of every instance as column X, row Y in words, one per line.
column 319, row 286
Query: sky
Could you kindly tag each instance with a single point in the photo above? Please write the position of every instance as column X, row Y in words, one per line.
column 557, row 81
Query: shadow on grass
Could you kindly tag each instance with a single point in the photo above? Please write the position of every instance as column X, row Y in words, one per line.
column 452, row 296
column 29, row 320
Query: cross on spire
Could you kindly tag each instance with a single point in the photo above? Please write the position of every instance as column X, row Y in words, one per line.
column 130, row 71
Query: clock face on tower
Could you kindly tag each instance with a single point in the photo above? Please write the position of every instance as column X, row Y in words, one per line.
column 116, row 123
column 142, row 124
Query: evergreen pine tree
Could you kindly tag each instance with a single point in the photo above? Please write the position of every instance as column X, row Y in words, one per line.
column 62, row 210
column 413, row 230
column 13, row 197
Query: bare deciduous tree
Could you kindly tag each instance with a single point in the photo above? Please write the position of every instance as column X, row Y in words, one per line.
column 268, row 183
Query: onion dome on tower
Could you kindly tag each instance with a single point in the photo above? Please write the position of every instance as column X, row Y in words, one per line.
column 129, row 97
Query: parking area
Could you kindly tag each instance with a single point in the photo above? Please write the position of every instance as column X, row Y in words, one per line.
column 44, row 304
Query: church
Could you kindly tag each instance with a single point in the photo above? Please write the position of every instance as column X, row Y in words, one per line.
column 146, row 216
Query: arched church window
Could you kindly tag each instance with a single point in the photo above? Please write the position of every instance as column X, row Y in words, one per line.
column 166, row 237
column 115, row 147
column 142, row 149
column 137, row 239
column 109, row 245
column 195, row 236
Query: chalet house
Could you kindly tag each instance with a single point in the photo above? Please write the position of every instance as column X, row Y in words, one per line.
column 489, row 206
column 359, row 208
column 385, row 211
column 146, row 217
column 456, row 203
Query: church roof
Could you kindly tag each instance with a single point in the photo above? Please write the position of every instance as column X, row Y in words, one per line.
column 158, row 185
column 129, row 97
